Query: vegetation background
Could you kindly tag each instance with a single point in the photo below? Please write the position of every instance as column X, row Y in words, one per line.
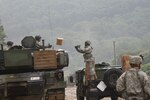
column 127, row 22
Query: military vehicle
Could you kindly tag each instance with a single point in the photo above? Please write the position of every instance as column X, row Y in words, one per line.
column 27, row 73
column 106, row 74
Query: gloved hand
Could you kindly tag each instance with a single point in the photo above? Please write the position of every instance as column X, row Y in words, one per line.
column 49, row 45
column 77, row 46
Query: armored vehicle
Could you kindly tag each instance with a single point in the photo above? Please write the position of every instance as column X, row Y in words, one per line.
column 27, row 73
column 107, row 75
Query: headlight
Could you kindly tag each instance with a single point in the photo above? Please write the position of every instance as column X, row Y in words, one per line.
column 62, row 59
column 59, row 75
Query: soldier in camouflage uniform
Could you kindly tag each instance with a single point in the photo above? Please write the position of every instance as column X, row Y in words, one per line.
column 38, row 44
column 134, row 83
column 38, row 41
column 9, row 44
column 89, row 60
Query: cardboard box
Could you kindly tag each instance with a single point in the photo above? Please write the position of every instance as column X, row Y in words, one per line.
column 125, row 62
column 60, row 41
column 45, row 59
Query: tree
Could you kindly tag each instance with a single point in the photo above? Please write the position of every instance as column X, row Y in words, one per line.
column 2, row 33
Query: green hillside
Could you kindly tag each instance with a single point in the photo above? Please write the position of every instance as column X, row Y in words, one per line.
column 101, row 21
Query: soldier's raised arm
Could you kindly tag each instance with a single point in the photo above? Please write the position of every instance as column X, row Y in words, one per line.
column 86, row 49
column 79, row 49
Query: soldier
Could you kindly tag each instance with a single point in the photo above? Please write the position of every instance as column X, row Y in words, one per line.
column 134, row 83
column 38, row 43
column 89, row 61
column 9, row 44
column 38, row 40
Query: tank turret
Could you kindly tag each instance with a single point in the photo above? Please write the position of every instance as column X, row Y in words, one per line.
column 30, row 59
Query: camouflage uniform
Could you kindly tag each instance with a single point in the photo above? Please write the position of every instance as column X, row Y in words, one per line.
column 133, row 84
column 89, row 60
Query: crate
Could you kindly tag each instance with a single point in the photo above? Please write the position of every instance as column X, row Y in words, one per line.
column 125, row 62
column 45, row 59
column 60, row 41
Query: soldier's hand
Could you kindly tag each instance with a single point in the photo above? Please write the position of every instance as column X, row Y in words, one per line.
column 49, row 45
column 77, row 46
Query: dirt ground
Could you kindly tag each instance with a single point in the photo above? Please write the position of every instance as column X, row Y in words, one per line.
column 71, row 94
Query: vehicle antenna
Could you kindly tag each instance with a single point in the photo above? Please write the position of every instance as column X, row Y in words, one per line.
column 51, row 28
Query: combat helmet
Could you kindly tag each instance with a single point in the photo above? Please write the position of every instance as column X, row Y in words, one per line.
column 9, row 43
column 88, row 42
column 135, row 60
column 38, row 37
